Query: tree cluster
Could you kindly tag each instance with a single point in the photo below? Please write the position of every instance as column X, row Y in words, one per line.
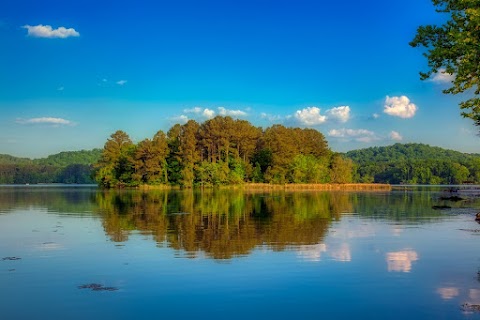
column 221, row 151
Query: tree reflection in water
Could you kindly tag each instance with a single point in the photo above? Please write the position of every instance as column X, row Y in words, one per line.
column 225, row 223
column 221, row 223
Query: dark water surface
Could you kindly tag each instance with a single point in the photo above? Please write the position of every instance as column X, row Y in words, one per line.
column 81, row 253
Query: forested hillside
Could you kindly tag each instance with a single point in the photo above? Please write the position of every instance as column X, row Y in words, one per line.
column 221, row 151
column 66, row 158
column 8, row 159
column 415, row 163
column 64, row 167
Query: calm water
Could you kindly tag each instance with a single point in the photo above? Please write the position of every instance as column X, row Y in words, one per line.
column 234, row 255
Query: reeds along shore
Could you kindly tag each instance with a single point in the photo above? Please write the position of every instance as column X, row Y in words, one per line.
column 288, row 186
column 323, row 186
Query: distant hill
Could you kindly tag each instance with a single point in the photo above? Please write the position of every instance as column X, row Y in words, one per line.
column 63, row 167
column 408, row 151
column 415, row 163
column 63, row 159
column 8, row 159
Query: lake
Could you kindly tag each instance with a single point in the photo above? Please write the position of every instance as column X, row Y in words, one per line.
column 83, row 253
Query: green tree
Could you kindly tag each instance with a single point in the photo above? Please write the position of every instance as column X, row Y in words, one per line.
column 76, row 173
column 244, row 139
column 237, row 172
column 458, row 173
column 262, row 158
column 173, row 157
column 284, row 146
column 188, row 152
column 115, row 168
column 341, row 169
column 150, row 160
column 454, row 49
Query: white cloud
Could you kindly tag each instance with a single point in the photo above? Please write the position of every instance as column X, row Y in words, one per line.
column 340, row 114
column 270, row 117
column 310, row 116
column 375, row 116
column 121, row 82
column 360, row 135
column 234, row 113
column 193, row 110
column 45, row 120
column 207, row 113
column 46, row 31
column 395, row 136
column 399, row 107
column 442, row 76
column 182, row 119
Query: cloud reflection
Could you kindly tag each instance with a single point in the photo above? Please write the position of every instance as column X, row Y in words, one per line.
column 474, row 295
column 354, row 231
column 397, row 231
column 49, row 246
column 312, row 252
column 401, row 261
column 448, row 292
column 342, row 254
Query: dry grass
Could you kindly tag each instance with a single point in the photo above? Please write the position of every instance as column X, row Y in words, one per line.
column 288, row 187
column 314, row 186
column 145, row 187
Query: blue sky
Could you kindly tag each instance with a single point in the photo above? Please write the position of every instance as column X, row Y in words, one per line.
column 72, row 73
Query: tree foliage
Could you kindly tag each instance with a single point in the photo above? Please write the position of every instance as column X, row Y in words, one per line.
column 221, row 151
column 454, row 49
column 149, row 162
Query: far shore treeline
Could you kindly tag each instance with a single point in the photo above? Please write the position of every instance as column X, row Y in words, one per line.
column 64, row 167
column 226, row 151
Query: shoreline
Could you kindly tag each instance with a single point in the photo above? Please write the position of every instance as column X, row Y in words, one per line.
column 287, row 187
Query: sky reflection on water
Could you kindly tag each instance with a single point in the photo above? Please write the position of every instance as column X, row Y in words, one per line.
column 283, row 255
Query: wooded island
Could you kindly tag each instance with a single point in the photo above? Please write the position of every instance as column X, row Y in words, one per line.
column 221, row 151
